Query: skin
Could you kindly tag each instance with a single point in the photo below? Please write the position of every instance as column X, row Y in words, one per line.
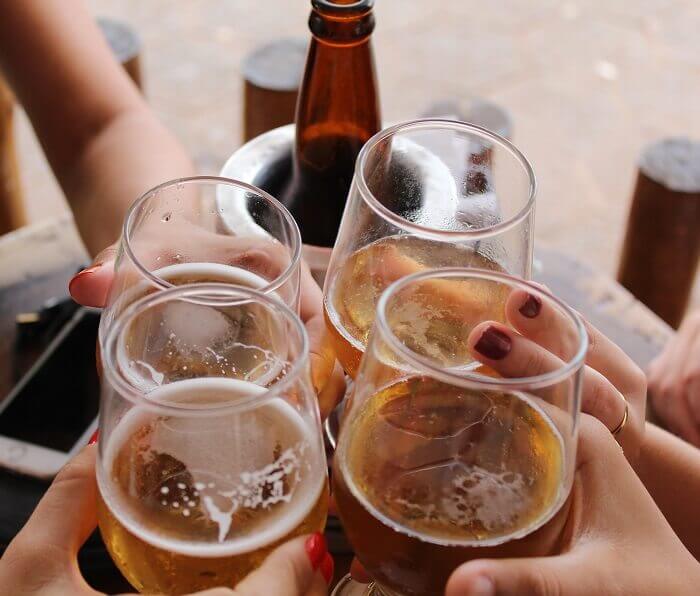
column 42, row 559
column 106, row 147
column 674, row 381
column 670, row 470
column 610, row 377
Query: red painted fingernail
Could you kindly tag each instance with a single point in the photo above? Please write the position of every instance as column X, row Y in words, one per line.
column 316, row 549
column 493, row 344
column 81, row 275
column 327, row 568
column 531, row 307
column 94, row 437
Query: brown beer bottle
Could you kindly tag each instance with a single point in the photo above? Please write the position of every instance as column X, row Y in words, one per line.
column 337, row 112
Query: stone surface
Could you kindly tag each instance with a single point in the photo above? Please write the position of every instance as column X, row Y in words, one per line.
column 588, row 82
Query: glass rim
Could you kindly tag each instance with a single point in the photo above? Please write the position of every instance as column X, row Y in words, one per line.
column 468, row 379
column 162, row 284
column 452, row 235
column 205, row 295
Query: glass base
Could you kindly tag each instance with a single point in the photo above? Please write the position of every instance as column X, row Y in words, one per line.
column 349, row 587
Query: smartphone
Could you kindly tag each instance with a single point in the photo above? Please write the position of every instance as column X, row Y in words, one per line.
column 51, row 413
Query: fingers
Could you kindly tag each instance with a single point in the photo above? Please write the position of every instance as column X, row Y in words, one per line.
column 543, row 323
column 545, row 576
column 91, row 286
column 674, row 381
column 299, row 567
column 332, row 392
column 327, row 376
column 66, row 515
column 513, row 355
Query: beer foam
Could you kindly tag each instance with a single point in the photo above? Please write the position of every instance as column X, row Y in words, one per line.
column 492, row 498
column 217, row 271
column 224, row 480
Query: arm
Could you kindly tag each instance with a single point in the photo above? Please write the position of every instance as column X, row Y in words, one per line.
column 670, row 470
column 104, row 144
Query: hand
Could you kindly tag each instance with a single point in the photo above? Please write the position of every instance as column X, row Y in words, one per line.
column 674, row 381
column 620, row 542
column 42, row 559
column 91, row 287
column 542, row 336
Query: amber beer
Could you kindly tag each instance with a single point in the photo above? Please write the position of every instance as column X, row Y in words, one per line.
column 190, row 504
column 452, row 475
column 351, row 299
column 337, row 112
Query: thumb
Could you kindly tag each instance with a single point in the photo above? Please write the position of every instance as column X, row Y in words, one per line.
column 543, row 576
column 91, row 286
column 290, row 571
column 66, row 515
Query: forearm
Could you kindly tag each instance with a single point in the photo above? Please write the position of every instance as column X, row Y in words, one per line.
column 133, row 153
column 670, row 470
column 104, row 144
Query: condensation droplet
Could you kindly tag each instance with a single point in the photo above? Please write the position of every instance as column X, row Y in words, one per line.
column 164, row 490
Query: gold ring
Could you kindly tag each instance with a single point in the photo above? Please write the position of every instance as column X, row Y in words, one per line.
column 619, row 427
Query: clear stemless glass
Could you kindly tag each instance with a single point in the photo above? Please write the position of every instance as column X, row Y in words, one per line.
column 441, row 460
column 205, row 229
column 210, row 451
column 427, row 193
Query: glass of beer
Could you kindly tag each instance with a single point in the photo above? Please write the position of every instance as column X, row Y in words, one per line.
column 205, row 229
column 210, row 451
column 427, row 193
column 440, row 459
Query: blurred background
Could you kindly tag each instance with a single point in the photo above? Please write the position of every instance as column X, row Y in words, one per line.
column 588, row 84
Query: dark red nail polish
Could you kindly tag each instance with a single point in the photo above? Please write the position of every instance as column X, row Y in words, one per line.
column 531, row 307
column 316, row 549
column 493, row 344
column 94, row 437
column 327, row 568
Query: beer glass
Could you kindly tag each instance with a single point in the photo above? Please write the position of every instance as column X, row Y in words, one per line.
column 205, row 229
column 427, row 193
column 210, row 451
column 440, row 459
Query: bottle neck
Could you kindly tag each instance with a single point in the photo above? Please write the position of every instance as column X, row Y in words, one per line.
column 339, row 91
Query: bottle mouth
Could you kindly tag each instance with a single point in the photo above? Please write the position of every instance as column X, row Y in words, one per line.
column 342, row 6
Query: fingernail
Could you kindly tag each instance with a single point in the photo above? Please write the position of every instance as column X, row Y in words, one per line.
column 94, row 437
column 493, row 344
column 327, row 568
column 80, row 276
column 316, row 549
column 531, row 307
column 482, row 586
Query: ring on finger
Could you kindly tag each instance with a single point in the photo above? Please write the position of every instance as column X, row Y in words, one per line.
column 618, row 429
